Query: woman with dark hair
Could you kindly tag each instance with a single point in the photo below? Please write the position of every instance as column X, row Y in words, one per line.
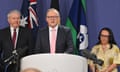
column 107, row 50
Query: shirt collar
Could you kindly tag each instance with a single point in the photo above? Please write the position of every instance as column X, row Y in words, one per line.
column 56, row 27
column 12, row 29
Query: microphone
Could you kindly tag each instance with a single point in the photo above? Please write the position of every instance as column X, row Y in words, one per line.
column 21, row 51
column 86, row 53
column 16, row 52
column 9, row 58
column 99, row 62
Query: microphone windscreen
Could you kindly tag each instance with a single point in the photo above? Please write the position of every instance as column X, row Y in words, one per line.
column 84, row 52
column 87, row 54
column 100, row 62
column 21, row 51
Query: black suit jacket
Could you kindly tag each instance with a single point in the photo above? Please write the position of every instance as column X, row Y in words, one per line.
column 64, row 42
column 24, row 39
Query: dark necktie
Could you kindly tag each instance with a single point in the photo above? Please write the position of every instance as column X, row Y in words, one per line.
column 14, row 37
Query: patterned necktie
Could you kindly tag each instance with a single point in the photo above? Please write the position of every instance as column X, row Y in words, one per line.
column 53, row 41
column 14, row 37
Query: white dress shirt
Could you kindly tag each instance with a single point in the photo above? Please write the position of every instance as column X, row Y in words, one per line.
column 50, row 32
column 12, row 31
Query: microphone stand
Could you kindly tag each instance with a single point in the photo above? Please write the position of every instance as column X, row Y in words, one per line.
column 97, row 66
column 17, row 63
column 12, row 60
column 7, row 66
column 15, row 58
column 87, row 54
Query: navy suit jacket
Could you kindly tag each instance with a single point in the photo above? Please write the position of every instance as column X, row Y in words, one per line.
column 64, row 42
column 24, row 39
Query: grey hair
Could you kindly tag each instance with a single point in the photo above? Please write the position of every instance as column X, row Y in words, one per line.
column 55, row 10
column 13, row 11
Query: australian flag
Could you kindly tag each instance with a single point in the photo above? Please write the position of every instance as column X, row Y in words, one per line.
column 29, row 16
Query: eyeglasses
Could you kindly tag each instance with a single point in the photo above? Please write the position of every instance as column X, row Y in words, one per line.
column 52, row 17
column 104, row 35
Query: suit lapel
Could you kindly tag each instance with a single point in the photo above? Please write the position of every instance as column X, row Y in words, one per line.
column 10, row 38
column 58, row 36
column 19, row 37
column 47, row 38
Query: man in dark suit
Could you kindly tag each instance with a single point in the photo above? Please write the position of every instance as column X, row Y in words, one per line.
column 14, row 38
column 54, row 38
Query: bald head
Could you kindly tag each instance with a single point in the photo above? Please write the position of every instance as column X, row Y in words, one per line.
column 31, row 70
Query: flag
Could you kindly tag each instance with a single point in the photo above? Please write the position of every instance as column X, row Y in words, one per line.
column 83, row 33
column 76, row 21
column 29, row 15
